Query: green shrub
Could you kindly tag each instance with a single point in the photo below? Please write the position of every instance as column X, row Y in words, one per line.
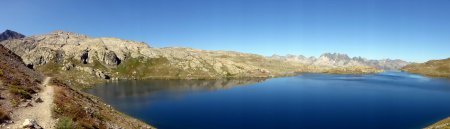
column 22, row 93
column 65, row 123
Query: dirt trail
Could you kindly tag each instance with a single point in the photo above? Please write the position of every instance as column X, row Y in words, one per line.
column 40, row 112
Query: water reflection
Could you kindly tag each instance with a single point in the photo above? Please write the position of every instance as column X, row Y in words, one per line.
column 136, row 90
column 386, row 100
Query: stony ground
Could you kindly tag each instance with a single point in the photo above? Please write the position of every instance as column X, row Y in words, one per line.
column 41, row 112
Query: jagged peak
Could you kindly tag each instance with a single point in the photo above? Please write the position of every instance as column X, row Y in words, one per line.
column 335, row 55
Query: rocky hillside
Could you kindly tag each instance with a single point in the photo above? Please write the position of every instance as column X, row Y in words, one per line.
column 9, row 34
column 81, row 59
column 19, row 86
column 434, row 68
column 116, row 58
column 343, row 60
column 17, row 83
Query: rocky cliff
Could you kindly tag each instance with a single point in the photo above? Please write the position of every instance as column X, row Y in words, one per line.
column 343, row 60
column 434, row 68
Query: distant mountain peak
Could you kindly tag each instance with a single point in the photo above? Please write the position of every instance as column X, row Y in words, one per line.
column 335, row 56
column 9, row 34
column 339, row 60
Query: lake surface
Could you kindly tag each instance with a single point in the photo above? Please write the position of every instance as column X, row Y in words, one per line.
column 390, row 100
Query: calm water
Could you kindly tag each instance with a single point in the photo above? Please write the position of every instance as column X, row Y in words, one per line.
column 389, row 100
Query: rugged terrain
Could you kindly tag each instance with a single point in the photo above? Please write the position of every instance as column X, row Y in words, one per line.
column 25, row 98
column 343, row 60
column 433, row 68
column 17, row 83
column 80, row 59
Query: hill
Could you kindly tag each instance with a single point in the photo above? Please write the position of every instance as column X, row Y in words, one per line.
column 433, row 68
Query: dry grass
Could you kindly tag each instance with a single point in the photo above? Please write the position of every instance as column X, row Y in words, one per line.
column 433, row 68
column 17, row 81
column 3, row 116
column 79, row 110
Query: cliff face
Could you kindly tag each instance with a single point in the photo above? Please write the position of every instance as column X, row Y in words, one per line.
column 343, row 60
column 434, row 68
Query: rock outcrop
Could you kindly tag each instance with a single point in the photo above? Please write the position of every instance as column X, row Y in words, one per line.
column 30, row 124
column 343, row 60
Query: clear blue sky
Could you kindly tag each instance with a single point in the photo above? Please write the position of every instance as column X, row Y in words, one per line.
column 413, row 30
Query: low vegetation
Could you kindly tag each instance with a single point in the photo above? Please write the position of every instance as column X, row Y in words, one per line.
column 65, row 123
column 3, row 116
column 76, row 109
column 433, row 68
column 17, row 82
column 353, row 70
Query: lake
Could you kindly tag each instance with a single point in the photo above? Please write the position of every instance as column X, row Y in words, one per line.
column 389, row 100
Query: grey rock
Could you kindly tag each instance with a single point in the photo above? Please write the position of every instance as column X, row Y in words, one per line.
column 38, row 100
column 30, row 124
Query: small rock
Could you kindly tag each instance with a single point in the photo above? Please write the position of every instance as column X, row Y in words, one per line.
column 26, row 104
column 30, row 124
column 38, row 100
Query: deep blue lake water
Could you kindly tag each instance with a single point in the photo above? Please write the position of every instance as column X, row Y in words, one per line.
column 390, row 100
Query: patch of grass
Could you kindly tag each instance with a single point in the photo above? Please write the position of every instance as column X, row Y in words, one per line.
column 65, row 123
column 143, row 68
column 81, row 111
column 69, row 105
column 19, row 91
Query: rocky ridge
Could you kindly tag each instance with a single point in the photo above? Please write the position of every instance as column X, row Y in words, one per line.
column 83, row 59
column 343, row 60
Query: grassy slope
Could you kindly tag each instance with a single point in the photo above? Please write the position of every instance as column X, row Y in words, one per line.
column 433, row 68
column 80, row 110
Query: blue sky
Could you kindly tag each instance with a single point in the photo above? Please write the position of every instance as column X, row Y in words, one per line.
column 412, row 30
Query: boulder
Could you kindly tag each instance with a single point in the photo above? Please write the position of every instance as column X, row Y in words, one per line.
column 38, row 100
column 30, row 124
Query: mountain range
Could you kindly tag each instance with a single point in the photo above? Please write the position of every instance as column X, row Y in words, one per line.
column 343, row 60
column 85, row 60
